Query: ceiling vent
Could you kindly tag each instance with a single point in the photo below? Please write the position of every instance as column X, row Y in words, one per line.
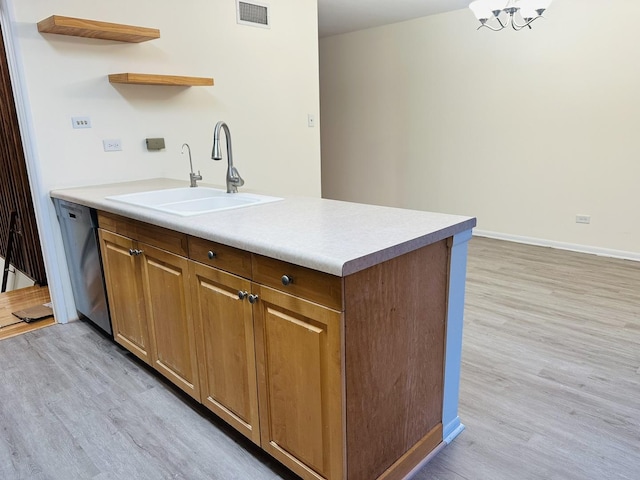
column 253, row 14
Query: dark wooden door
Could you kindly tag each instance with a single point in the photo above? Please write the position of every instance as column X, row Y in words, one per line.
column 15, row 193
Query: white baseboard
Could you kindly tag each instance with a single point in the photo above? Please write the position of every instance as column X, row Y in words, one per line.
column 574, row 247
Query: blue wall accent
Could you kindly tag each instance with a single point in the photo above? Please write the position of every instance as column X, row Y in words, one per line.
column 451, row 424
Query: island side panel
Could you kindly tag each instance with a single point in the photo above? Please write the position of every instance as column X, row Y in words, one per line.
column 394, row 360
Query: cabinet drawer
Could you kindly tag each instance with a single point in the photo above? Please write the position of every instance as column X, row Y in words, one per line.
column 169, row 240
column 318, row 287
column 220, row 256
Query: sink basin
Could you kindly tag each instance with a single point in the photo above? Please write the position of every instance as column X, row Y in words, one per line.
column 192, row 201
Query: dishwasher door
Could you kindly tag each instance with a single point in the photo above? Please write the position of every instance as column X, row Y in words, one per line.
column 80, row 237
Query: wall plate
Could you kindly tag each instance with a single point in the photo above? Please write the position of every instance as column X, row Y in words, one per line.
column 155, row 143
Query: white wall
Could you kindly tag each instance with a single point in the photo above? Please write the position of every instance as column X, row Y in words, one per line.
column 522, row 129
column 266, row 82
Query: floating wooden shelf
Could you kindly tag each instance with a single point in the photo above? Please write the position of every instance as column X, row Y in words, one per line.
column 147, row 79
column 79, row 27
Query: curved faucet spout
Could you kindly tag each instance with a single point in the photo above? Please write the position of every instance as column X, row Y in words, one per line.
column 216, row 153
column 234, row 180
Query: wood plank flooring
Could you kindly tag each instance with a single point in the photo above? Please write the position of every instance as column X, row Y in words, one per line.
column 15, row 300
column 74, row 405
column 550, row 388
column 550, row 383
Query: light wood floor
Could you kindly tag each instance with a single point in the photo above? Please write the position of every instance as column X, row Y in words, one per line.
column 15, row 300
column 550, row 384
column 550, row 388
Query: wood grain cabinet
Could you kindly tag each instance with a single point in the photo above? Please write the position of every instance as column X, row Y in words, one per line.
column 150, row 304
column 262, row 350
column 226, row 347
column 299, row 382
column 339, row 378
column 123, row 276
column 168, row 305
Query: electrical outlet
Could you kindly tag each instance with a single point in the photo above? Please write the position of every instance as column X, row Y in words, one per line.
column 112, row 145
column 583, row 218
column 311, row 120
column 81, row 122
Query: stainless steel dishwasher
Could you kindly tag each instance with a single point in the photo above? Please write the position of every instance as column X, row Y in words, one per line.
column 80, row 237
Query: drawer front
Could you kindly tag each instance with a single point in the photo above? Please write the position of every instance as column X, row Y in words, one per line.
column 220, row 256
column 169, row 240
column 318, row 287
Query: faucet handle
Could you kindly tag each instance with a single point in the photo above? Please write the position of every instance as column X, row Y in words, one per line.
column 235, row 178
column 194, row 178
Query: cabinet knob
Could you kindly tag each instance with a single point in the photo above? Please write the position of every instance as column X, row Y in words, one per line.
column 211, row 255
column 242, row 295
column 286, row 280
column 253, row 298
column 135, row 252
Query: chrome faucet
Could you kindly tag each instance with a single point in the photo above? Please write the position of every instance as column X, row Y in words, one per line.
column 234, row 180
column 192, row 176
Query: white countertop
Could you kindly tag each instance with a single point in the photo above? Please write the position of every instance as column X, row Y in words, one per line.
column 334, row 237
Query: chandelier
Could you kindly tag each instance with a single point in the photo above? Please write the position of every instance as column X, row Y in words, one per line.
column 504, row 13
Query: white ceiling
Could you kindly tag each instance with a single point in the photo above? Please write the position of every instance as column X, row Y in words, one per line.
column 342, row 16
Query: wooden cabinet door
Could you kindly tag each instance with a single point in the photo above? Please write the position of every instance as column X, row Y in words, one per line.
column 123, row 275
column 226, row 352
column 168, row 296
column 298, row 353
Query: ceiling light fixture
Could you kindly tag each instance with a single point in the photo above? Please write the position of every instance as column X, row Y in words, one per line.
column 528, row 11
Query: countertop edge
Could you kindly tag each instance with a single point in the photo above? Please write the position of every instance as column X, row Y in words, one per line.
column 333, row 266
column 367, row 261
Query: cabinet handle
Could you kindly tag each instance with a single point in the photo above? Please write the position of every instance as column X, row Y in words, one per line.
column 211, row 255
column 286, row 280
column 253, row 298
column 242, row 295
column 135, row 252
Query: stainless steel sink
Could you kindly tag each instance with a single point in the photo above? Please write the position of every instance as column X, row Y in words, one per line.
column 192, row 201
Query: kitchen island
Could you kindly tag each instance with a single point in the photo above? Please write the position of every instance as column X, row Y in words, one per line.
column 329, row 333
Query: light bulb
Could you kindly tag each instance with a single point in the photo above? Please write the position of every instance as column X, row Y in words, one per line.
column 540, row 4
column 527, row 9
column 497, row 4
column 480, row 9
